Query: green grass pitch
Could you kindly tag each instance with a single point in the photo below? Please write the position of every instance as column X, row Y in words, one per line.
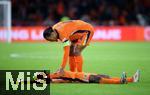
column 110, row 58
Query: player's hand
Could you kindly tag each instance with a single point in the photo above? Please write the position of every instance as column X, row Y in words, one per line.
column 61, row 71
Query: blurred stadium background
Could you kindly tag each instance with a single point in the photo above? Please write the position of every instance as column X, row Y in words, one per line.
column 121, row 40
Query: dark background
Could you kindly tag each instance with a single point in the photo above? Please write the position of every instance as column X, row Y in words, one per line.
column 97, row 12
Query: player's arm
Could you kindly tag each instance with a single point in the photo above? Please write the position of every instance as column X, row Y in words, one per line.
column 65, row 56
column 66, row 45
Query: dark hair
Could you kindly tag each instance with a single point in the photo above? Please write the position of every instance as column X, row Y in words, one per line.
column 47, row 32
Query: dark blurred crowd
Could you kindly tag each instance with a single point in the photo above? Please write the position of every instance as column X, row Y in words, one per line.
column 96, row 12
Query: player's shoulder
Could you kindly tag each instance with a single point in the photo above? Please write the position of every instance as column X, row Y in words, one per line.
column 58, row 25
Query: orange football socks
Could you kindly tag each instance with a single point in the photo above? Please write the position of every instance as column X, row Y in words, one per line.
column 75, row 63
column 114, row 80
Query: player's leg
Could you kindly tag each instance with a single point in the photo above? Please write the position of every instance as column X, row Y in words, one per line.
column 80, row 76
column 110, row 81
column 75, row 57
column 122, row 80
column 83, row 42
column 101, row 80
column 72, row 63
column 129, row 79
column 79, row 41
column 107, row 80
column 134, row 78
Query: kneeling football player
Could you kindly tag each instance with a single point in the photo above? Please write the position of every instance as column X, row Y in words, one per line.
column 75, row 35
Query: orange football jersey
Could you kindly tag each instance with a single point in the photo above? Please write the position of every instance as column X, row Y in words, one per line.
column 68, row 28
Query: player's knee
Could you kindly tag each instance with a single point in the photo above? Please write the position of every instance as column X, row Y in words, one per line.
column 75, row 50
column 94, row 79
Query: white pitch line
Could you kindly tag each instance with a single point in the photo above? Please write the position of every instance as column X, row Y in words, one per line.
column 17, row 55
